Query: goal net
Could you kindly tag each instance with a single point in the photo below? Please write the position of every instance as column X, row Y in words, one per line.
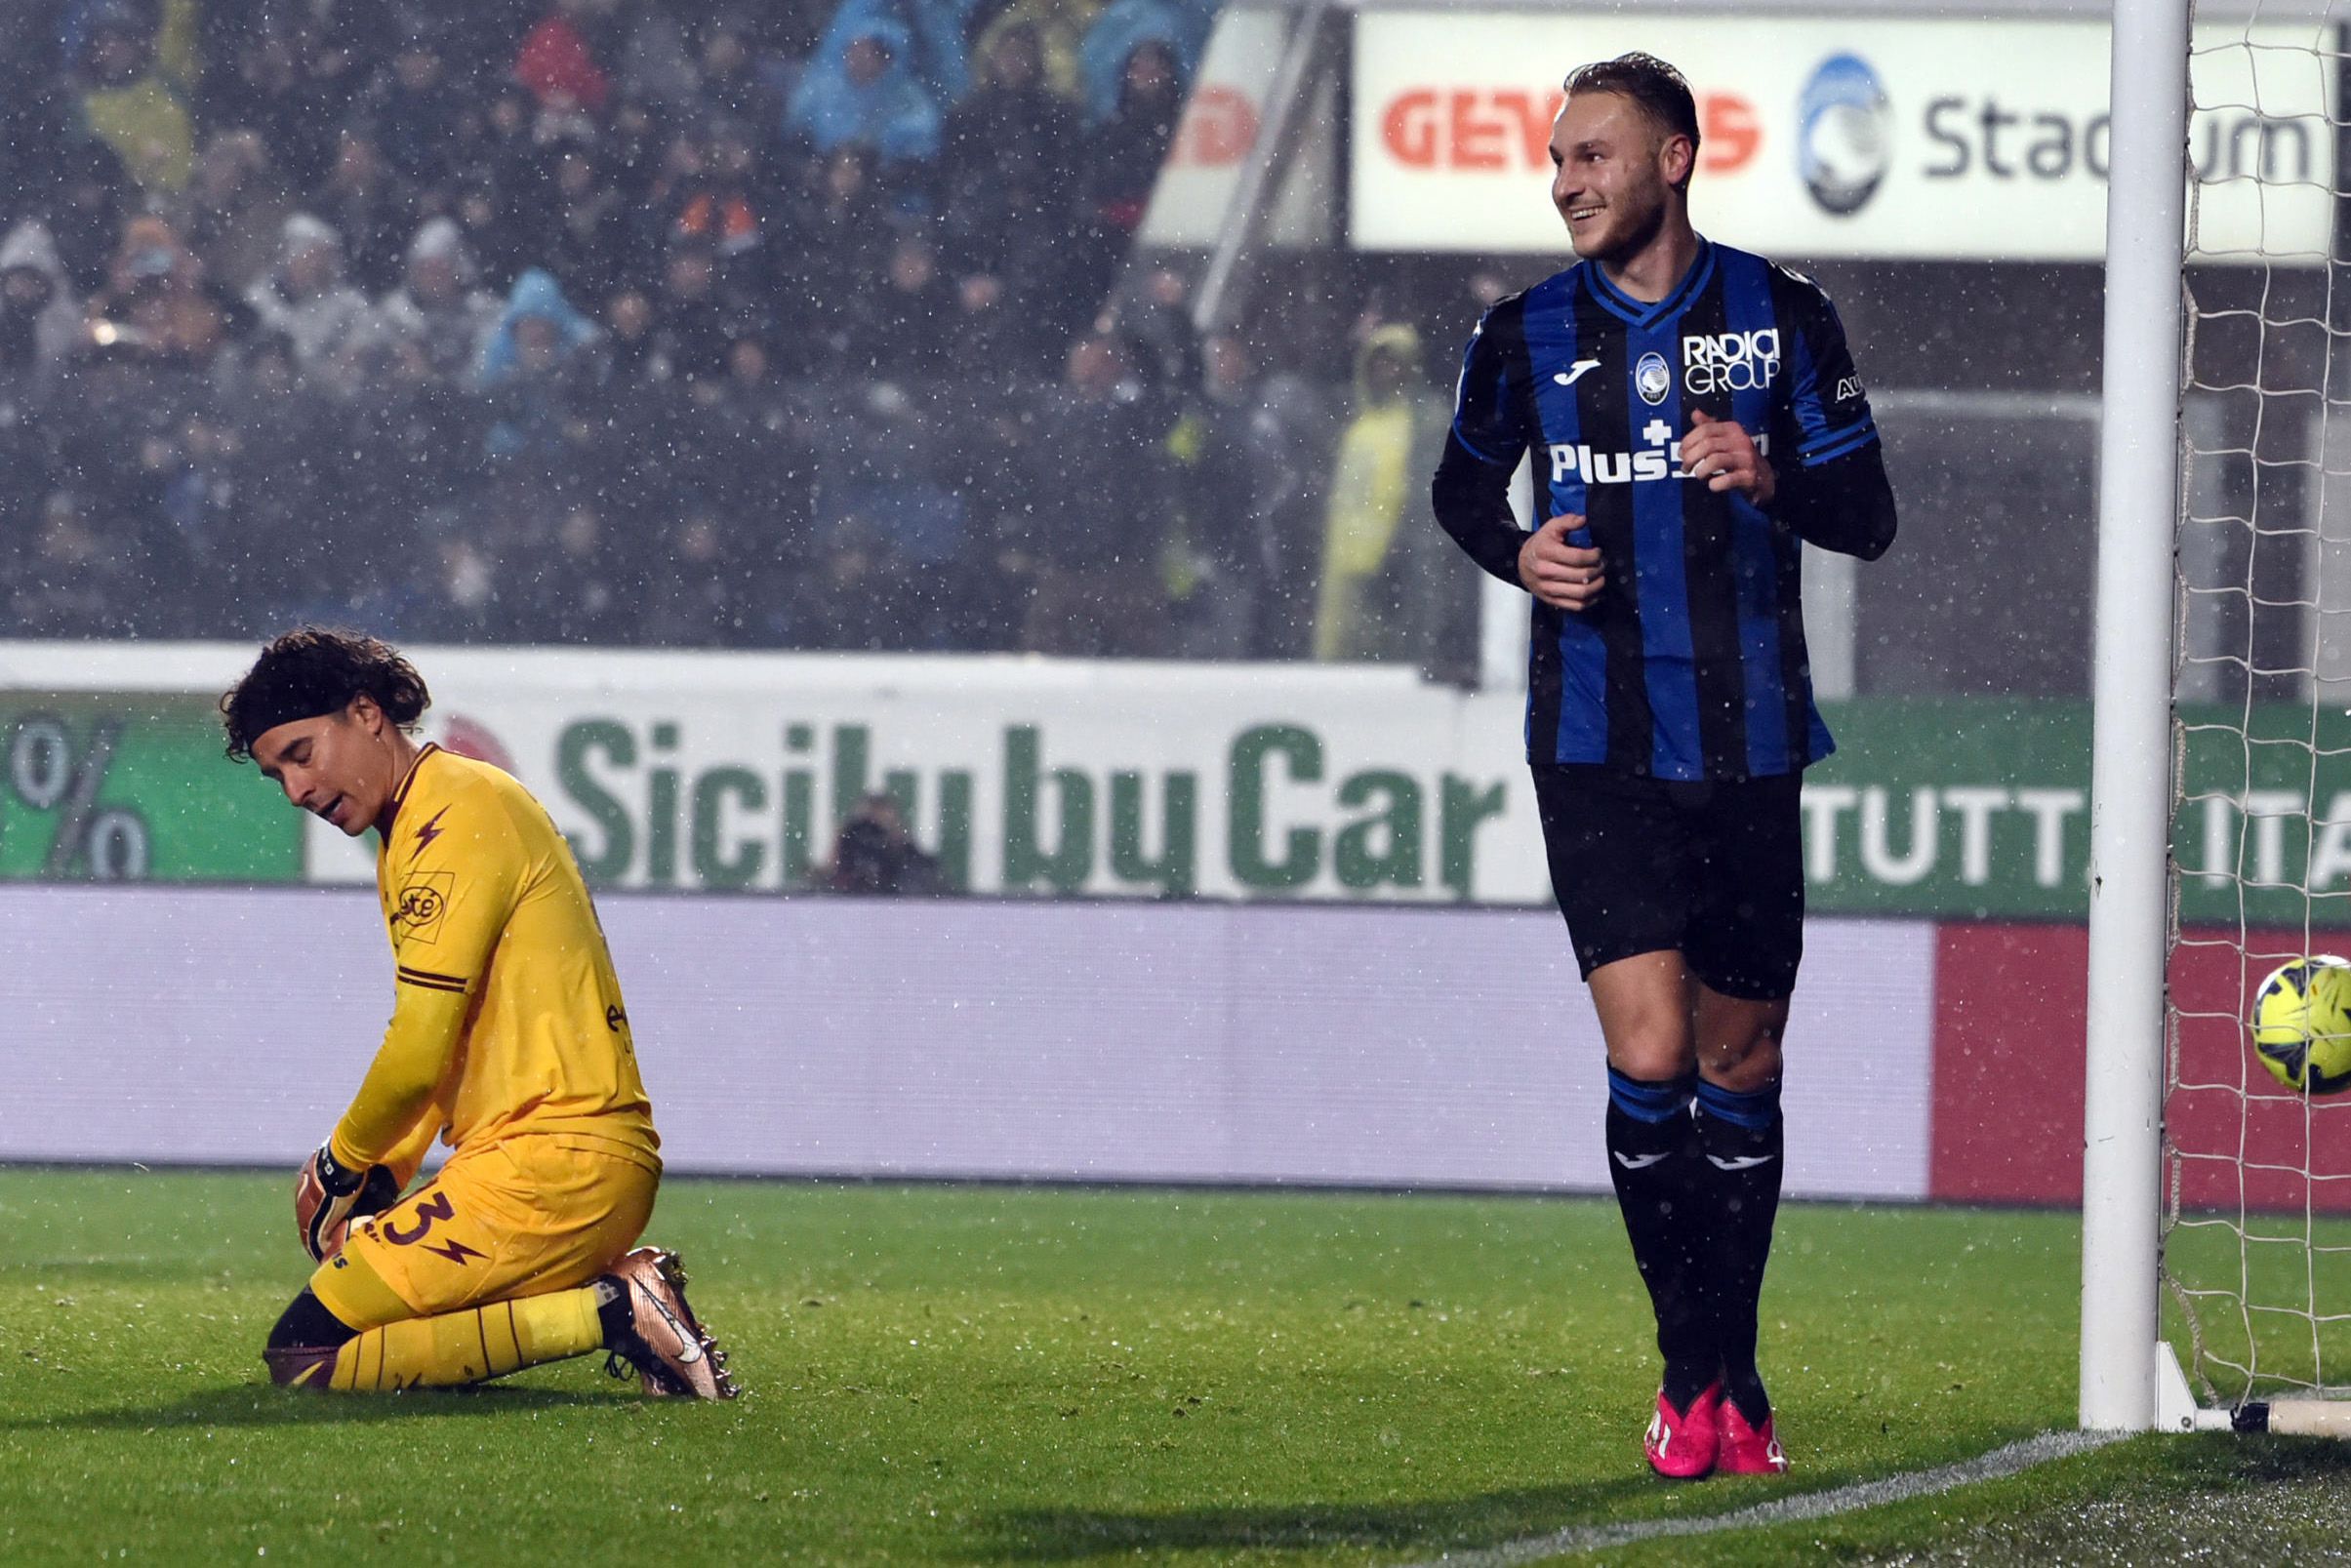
column 2255, row 1203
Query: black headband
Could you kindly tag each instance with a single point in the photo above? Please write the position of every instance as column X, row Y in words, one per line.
column 260, row 712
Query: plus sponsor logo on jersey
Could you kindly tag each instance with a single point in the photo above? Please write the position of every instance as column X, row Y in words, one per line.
column 1730, row 361
column 1660, row 459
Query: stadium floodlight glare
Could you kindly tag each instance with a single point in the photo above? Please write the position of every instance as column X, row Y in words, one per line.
column 2205, row 1178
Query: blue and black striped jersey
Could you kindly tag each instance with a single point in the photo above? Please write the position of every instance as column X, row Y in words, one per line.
column 1691, row 665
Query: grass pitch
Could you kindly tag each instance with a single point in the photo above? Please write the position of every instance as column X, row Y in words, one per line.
column 1037, row 1376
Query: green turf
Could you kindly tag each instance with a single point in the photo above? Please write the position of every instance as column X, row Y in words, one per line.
column 1011, row 1376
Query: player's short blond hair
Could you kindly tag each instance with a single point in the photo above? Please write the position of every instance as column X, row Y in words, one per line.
column 1662, row 93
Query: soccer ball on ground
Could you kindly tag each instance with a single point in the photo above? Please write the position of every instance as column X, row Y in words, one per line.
column 2303, row 1024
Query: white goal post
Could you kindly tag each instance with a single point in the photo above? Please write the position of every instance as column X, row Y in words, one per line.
column 2259, row 1294
column 2131, row 773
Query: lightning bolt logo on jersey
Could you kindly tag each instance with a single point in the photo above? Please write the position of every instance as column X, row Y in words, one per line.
column 1691, row 665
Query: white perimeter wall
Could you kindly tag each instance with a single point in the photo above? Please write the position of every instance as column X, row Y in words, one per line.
column 1103, row 1041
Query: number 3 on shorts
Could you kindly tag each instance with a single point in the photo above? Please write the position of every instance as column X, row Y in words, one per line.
column 436, row 1207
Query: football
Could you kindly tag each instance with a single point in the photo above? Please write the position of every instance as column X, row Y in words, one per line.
column 2303, row 1024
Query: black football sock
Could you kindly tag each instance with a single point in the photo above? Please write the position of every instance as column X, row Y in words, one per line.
column 1741, row 1147
column 1652, row 1155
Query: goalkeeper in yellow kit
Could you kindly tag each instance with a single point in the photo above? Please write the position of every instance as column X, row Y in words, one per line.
column 507, row 1039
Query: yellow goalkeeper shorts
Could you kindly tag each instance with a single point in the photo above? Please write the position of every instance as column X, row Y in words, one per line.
column 521, row 1216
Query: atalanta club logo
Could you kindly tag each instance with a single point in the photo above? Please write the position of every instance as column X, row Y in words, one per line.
column 1846, row 138
column 1653, row 378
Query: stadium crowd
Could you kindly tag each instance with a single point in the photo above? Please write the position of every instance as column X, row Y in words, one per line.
column 803, row 324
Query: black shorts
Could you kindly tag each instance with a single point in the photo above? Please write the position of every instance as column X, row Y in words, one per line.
column 1714, row 871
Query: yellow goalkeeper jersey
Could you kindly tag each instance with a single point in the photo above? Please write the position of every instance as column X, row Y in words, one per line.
column 506, row 1015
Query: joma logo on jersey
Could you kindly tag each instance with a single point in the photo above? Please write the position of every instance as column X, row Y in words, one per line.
column 1730, row 361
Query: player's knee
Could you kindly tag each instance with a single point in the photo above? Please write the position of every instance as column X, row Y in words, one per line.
column 1744, row 1066
column 1652, row 1054
column 303, row 1341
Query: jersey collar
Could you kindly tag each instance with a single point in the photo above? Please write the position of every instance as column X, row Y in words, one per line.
column 406, row 782
column 1641, row 312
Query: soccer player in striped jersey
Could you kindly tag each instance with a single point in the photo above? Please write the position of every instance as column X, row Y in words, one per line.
column 1693, row 417
column 508, row 1040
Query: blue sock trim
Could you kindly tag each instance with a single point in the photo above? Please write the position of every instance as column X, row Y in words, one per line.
column 1651, row 1102
column 1754, row 1110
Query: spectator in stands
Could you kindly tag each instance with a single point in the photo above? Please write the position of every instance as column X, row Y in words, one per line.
column 902, row 328
column 865, row 91
column 692, row 324
column 34, row 111
column 290, row 444
column 629, row 350
column 503, row 199
column 40, row 319
column 694, row 591
column 364, row 202
column 1126, row 27
column 158, row 306
column 558, row 63
column 577, row 590
column 937, row 47
column 1155, row 321
column 284, row 87
column 72, row 584
column 1376, row 599
column 736, row 80
column 438, row 313
column 237, row 207
column 715, row 200
column 876, row 855
column 1060, row 27
column 86, row 211
column 1124, row 156
column 417, row 109
column 1128, row 143
column 1279, row 430
column 1096, row 524
column 1008, row 170
column 588, row 246
column 127, row 103
column 841, row 236
column 463, row 603
column 652, row 56
column 305, row 299
column 194, row 502
column 533, row 367
column 1011, row 132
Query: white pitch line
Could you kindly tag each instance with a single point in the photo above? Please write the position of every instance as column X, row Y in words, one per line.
column 1581, row 1538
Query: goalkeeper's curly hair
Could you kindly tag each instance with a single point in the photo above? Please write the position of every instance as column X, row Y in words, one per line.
column 317, row 669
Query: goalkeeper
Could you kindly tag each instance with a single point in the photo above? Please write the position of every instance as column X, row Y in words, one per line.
column 507, row 1039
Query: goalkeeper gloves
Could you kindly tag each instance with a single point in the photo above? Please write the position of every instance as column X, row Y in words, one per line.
column 329, row 1195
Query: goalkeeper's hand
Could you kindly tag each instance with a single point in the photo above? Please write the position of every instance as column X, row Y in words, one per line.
column 328, row 1195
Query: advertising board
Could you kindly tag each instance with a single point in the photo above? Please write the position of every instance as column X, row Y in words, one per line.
column 1837, row 135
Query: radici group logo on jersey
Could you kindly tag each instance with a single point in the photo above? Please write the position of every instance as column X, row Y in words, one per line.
column 1844, row 142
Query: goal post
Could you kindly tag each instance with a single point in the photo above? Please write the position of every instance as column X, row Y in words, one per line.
column 2216, row 1192
column 2131, row 765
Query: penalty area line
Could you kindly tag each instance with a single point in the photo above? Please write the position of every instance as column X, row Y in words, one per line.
column 1850, row 1499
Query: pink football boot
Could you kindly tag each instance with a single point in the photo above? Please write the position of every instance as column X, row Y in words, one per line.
column 1682, row 1443
column 1749, row 1450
